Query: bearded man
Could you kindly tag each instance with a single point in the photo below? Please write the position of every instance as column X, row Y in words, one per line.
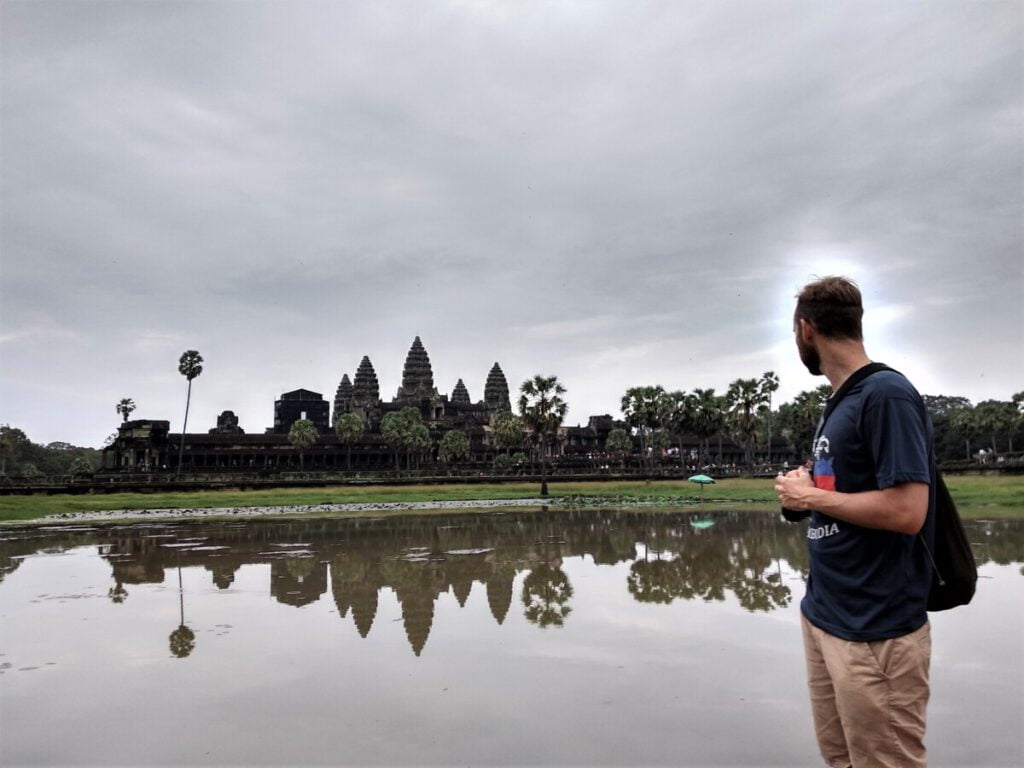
column 869, row 496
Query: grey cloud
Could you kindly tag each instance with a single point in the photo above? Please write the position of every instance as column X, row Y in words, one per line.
column 556, row 186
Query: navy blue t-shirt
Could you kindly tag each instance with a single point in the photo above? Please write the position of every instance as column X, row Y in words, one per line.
column 866, row 584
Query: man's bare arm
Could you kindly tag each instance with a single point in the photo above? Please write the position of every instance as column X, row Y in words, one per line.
column 901, row 508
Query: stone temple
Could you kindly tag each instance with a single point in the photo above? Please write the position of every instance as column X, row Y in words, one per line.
column 150, row 446
column 361, row 395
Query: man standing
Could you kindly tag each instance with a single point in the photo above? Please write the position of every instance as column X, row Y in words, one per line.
column 866, row 632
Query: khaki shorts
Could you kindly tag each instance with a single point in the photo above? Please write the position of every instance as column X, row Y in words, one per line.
column 869, row 699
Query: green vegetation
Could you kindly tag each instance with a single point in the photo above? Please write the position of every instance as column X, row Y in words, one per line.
column 454, row 447
column 977, row 496
column 542, row 408
column 507, row 431
column 349, row 428
column 19, row 456
column 303, row 436
column 405, row 430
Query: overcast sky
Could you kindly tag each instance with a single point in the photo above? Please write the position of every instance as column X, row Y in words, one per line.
column 616, row 193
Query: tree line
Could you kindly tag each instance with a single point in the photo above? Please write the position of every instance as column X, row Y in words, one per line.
column 987, row 432
column 20, row 457
column 656, row 419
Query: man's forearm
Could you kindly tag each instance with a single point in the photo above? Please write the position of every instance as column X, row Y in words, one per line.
column 901, row 508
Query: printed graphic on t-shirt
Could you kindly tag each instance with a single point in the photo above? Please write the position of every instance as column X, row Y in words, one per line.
column 824, row 474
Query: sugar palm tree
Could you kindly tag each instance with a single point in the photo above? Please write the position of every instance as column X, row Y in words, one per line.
column 745, row 399
column 302, row 435
column 708, row 417
column 769, row 385
column 643, row 408
column 349, row 428
column 542, row 408
column 190, row 365
column 677, row 416
column 418, row 443
column 124, row 407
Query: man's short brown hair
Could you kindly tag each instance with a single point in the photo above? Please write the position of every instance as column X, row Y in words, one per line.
column 832, row 305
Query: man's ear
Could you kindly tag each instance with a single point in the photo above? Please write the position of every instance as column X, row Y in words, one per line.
column 805, row 329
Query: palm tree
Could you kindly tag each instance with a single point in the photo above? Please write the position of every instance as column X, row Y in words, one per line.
column 399, row 430
column 708, row 417
column 190, row 365
column 995, row 418
column 542, row 409
column 963, row 421
column 677, row 417
column 349, row 428
column 745, row 399
column 418, row 442
column 769, row 384
column 454, row 446
column 393, row 429
column 124, row 407
column 642, row 407
column 302, row 435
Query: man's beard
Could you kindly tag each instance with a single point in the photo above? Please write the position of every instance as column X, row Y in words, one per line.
column 809, row 357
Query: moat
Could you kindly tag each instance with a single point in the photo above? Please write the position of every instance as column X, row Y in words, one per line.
column 505, row 638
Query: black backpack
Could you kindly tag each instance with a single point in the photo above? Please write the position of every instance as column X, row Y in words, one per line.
column 955, row 572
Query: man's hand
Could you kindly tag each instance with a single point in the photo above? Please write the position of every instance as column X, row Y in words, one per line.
column 795, row 489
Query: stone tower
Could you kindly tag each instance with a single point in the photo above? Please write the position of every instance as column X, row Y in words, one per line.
column 417, row 376
column 496, row 390
column 365, row 389
column 460, row 395
column 343, row 397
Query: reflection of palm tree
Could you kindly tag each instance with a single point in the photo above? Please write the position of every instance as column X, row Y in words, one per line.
column 117, row 594
column 183, row 639
column 761, row 593
column 546, row 593
column 653, row 582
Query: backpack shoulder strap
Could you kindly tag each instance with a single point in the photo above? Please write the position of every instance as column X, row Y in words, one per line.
column 854, row 379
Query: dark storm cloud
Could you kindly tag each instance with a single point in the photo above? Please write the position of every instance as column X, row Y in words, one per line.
column 616, row 193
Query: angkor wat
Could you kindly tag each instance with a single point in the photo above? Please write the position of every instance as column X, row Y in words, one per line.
column 149, row 446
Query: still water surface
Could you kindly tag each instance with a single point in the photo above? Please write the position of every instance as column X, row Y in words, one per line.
column 588, row 637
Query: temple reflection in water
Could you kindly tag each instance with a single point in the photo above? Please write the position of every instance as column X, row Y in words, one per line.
column 419, row 559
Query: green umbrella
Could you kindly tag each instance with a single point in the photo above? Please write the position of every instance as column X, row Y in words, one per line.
column 703, row 480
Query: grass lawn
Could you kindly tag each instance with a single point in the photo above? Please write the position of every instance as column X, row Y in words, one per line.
column 976, row 496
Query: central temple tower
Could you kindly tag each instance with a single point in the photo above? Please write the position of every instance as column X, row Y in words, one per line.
column 417, row 376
